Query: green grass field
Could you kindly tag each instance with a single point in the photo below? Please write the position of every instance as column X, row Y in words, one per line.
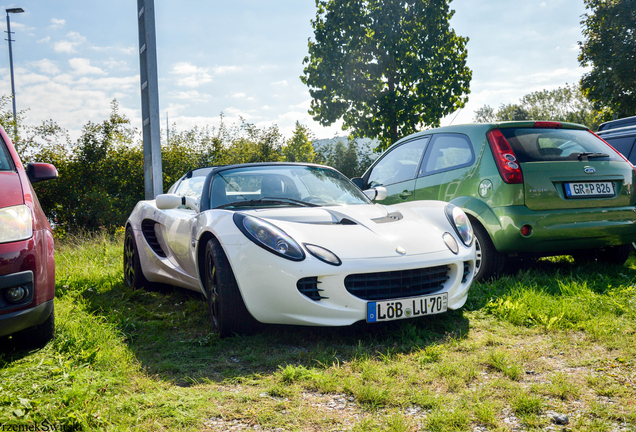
column 551, row 338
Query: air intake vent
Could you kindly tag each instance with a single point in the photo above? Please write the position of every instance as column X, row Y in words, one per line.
column 309, row 287
column 148, row 228
column 396, row 284
column 466, row 271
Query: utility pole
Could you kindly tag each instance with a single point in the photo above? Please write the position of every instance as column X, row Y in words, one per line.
column 153, row 180
column 15, row 114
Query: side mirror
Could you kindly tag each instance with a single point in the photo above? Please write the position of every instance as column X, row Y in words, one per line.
column 38, row 172
column 358, row 181
column 378, row 193
column 172, row 201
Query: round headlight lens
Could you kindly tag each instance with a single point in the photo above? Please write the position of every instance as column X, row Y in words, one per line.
column 460, row 222
column 269, row 237
column 16, row 294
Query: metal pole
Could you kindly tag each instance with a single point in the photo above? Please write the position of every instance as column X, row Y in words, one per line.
column 149, row 99
column 15, row 115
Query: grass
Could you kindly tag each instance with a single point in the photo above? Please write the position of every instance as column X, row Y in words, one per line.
column 550, row 337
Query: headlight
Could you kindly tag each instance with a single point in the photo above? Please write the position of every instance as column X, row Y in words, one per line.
column 16, row 223
column 269, row 237
column 460, row 222
column 323, row 254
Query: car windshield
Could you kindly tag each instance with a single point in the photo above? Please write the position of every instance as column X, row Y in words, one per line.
column 539, row 145
column 283, row 186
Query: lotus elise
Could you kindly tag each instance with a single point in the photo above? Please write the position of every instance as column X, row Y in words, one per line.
column 289, row 243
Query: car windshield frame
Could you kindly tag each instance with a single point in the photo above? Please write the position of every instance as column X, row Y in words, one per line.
column 6, row 161
column 282, row 185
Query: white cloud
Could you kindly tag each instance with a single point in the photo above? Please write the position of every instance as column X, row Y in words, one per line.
column 44, row 40
column 73, row 40
column 57, row 23
column 282, row 83
column 82, row 66
column 192, row 96
column 189, row 75
column 219, row 70
column 46, row 66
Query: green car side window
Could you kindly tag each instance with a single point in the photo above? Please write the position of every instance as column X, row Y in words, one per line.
column 398, row 164
column 446, row 152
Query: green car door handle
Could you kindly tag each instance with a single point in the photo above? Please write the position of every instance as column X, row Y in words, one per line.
column 405, row 194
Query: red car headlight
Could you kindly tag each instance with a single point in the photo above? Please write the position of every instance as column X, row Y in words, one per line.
column 16, row 223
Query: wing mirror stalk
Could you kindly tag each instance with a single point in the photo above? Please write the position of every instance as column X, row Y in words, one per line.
column 172, row 201
column 378, row 193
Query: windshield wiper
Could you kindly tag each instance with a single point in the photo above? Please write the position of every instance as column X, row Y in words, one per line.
column 587, row 155
column 268, row 200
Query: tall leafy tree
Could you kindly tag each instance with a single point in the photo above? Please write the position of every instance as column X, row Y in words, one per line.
column 385, row 67
column 562, row 104
column 299, row 147
column 610, row 48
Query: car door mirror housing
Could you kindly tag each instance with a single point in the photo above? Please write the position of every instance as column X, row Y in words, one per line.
column 378, row 193
column 172, row 201
column 38, row 172
column 168, row 201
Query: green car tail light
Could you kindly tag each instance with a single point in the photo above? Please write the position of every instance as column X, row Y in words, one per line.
column 504, row 157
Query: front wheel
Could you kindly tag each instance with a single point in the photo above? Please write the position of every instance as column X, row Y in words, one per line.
column 228, row 313
column 489, row 262
column 37, row 336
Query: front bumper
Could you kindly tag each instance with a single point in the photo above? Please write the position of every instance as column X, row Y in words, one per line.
column 268, row 283
column 23, row 319
column 562, row 230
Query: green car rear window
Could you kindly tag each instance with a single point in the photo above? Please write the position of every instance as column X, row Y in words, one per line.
column 542, row 145
column 5, row 161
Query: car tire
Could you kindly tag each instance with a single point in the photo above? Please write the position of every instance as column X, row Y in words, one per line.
column 228, row 313
column 133, row 274
column 37, row 336
column 616, row 255
column 490, row 262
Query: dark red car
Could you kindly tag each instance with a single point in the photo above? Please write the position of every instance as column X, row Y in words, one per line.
column 27, row 263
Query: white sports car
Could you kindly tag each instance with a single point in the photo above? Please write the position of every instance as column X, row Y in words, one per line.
column 286, row 243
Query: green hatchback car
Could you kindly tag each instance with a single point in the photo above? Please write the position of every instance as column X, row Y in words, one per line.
column 530, row 188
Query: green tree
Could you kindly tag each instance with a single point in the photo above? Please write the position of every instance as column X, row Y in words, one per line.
column 610, row 49
column 299, row 147
column 562, row 104
column 386, row 67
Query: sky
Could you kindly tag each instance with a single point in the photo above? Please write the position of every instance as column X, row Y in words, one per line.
column 244, row 58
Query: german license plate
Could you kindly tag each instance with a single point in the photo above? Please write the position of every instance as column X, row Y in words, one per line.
column 589, row 189
column 390, row 310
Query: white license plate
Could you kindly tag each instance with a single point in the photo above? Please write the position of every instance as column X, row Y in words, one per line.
column 389, row 310
column 591, row 189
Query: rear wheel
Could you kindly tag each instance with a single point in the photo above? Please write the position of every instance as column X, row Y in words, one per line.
column 490, row 262
column 614, row 255
column 133, row 275
column 228, row 313
column 37, row 336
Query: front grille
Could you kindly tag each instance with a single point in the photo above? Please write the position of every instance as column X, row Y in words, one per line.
column 396, row 284
column 466, row 271
column 148, row 228
column 309, row 287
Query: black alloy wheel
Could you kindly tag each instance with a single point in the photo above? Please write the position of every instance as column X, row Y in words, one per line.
column 133, row 275
column 228, row 314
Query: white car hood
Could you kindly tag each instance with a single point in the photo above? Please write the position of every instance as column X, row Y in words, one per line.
column 363, row 231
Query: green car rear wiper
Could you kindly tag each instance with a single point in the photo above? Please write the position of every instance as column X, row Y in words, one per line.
column 588, row 155
column 268, row 200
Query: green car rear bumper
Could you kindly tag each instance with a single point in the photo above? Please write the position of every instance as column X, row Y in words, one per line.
column 562, row 230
